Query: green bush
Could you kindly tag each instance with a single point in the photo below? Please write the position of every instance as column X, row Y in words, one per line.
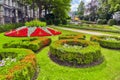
column 112, row 22
column 35, row 23
column 72, row 36
column 101, row 21
column 107, row 41
column 8, row 27
column 57, row 21
column 32, row 44
column 82, row 52
column 64, row 22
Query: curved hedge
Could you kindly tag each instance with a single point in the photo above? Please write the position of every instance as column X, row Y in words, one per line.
column 111, row 42
column 73, row 36
column 33, row 44
column 86, row 53
column 25, row 65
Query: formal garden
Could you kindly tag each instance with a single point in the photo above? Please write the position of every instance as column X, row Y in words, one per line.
column 60, row 47
column 37, row 52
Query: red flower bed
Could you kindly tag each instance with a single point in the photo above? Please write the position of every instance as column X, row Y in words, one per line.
column 54, row 32
column 18, row 33
column 40, row 32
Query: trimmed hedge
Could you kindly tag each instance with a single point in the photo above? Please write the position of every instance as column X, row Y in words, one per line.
column 32, row 44
column 111, row 42
column 73, row 36
column 24, row 67
column 89, row 53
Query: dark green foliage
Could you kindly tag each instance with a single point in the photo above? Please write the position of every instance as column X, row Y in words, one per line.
column 101, row 21
column 57, row 21
column 64, row 21
column 8, row 27
column 112, row 22
column 89, row 52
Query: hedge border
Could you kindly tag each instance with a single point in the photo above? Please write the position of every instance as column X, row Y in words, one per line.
column 90, row 55
column 107, row 43
column 72, row 36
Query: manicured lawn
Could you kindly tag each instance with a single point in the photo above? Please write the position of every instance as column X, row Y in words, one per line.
column 108, row 70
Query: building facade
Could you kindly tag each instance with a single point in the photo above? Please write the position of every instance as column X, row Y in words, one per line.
column 13, row 11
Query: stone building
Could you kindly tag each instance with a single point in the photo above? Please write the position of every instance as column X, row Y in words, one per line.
column 13, row 11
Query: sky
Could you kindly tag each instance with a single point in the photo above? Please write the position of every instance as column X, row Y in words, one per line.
column 75, row 3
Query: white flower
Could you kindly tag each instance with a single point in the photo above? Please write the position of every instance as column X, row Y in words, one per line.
column 13, row 60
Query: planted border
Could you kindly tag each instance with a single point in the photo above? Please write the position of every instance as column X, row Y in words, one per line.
column 33, row 44
column 111, row 42
column 72, row 36
column 24, row 67
column 88, row 55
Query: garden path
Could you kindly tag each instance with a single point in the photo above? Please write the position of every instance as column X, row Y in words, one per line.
column 85, row 31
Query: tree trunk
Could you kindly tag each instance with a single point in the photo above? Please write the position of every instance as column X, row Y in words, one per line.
column 40, row 11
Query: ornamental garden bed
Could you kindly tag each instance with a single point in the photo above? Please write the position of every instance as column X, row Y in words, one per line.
column 72, row 36
column 17, row 64
column 34, row 28
column 33, row 44
column 76, row 53
column 111, row 42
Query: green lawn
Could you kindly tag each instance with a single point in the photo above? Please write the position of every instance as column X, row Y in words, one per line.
column 108, row 70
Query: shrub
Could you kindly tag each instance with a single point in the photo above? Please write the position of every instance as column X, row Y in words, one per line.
column 72, row 36
column 86, row 52
column 57, row 21
column 101, row 21
column 64, row 22
column 35, row 23
column 29, row 44
column 8, row 27
column 112, row 22
column 111, row 42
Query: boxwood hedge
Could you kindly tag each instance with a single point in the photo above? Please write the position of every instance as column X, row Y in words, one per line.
column 24, row 67
column 72, row 36
column 32, row 44
column 111, row 42
column 88, row 53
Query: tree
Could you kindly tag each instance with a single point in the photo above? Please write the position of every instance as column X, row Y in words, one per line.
column 81, row 8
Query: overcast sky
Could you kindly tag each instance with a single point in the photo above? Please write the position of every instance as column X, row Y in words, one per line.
column 75, row 3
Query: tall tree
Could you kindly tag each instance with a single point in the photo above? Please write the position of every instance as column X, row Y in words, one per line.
column 81, row 8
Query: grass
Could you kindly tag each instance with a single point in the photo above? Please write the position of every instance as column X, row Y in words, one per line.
column 108, row 70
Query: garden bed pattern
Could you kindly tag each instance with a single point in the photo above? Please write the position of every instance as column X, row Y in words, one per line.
column 76, row 53
column 21, row 63
column 111, row 42
column 32, row 32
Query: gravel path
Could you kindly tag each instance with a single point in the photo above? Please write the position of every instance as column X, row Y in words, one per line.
column 85, row 31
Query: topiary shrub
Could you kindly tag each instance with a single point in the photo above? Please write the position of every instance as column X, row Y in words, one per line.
column 73, row 36
column 33, row 44
column 107, row 41
column 35, row 23
column 112, row 22
column 77, row 53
